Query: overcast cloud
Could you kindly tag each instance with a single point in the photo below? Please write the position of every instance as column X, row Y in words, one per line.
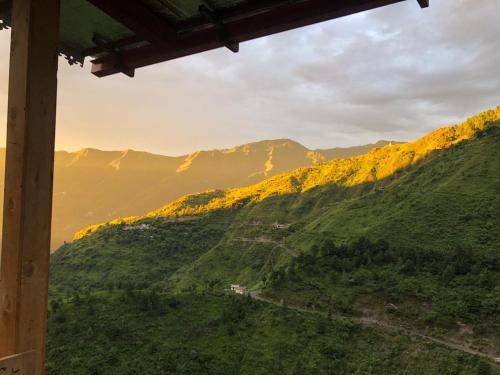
column 391, row 73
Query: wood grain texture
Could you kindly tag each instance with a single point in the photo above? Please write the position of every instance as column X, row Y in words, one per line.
column 29, row 178
column 20, row 364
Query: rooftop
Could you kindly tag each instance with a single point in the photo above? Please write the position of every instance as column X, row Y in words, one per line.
column 121, row 36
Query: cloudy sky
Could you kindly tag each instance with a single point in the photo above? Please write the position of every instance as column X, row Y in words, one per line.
column 392, row 73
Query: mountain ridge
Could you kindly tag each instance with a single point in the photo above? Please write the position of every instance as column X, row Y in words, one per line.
column 92, row 185
column 376, row 165
column 117, row 154
column 404, row 236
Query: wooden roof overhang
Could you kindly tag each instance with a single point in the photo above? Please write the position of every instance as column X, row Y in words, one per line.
column 121, row 36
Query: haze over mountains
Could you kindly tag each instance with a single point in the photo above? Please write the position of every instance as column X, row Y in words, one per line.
column 93, row 186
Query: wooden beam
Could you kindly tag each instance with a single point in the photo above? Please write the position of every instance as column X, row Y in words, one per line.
column 272, row 20
column 125, row 42
column 5, row 7
column 219, row 24
column 20, row 364
column 239, row 11
column 109, row 46
column 423, row 3
column 31, row 116
column 138, row 18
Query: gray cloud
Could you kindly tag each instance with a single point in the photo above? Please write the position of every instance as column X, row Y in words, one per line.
column 395, row 72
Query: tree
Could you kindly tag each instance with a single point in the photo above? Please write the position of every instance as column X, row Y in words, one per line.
column 448, row 274
column 299, row 368
column 55, row 305
column 77, row 300
column 483, row 368
column 327, row 248
column 409, row 266
column 321, row 327
column 284, row 306
column 315, row 250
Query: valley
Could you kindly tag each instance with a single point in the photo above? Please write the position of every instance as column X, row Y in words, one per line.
column 386, row 262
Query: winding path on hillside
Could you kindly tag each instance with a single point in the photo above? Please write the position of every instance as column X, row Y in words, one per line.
column 256, row 295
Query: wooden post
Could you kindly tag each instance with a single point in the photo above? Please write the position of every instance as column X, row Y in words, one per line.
column 31, row 115
column 19, row 364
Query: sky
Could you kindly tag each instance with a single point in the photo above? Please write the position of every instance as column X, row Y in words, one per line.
column 393, row 73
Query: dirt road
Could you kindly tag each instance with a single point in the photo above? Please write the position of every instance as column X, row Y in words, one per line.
column 384, row 325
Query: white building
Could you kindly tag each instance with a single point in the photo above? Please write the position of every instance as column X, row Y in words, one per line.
column 138, row 227
column 238, row 289
column 277, row 225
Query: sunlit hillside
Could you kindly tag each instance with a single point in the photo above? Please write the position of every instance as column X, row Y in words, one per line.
column 377, row 165
column 92, row 186
column 397, row 248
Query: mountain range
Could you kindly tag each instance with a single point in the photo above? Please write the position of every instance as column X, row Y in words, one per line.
column 386, row 262
column 93, row 186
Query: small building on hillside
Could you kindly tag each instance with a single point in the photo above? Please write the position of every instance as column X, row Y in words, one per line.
column 138, row 227
column 277, row 225
column 238, row 289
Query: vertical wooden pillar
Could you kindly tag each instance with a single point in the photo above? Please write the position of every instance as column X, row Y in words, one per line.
column 28, row 178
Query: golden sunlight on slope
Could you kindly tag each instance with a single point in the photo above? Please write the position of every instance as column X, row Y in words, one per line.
column 375, row 165
column 93, row 186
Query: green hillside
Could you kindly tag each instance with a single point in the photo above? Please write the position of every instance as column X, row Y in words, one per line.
column 92, row 186
column 140, row 332
column 442, row 192
column 345, row 178
column 405, row 236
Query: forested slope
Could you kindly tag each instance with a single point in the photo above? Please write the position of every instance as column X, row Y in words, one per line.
column 406, row 234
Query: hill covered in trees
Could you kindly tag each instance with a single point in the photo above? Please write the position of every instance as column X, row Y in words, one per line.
column 91, row 186
column 368, row 257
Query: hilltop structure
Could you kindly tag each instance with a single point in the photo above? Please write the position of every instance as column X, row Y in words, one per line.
column 121, row 36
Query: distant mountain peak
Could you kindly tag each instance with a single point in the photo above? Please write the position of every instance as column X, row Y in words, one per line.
column 93, row 185
column 375, row 165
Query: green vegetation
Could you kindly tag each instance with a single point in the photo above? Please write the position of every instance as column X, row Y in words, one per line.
column 406, row 236
column 447, row 201
column 93, row 186
column 132, row 256
column 378, row 165
column 435, row 291
column 142, row 332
